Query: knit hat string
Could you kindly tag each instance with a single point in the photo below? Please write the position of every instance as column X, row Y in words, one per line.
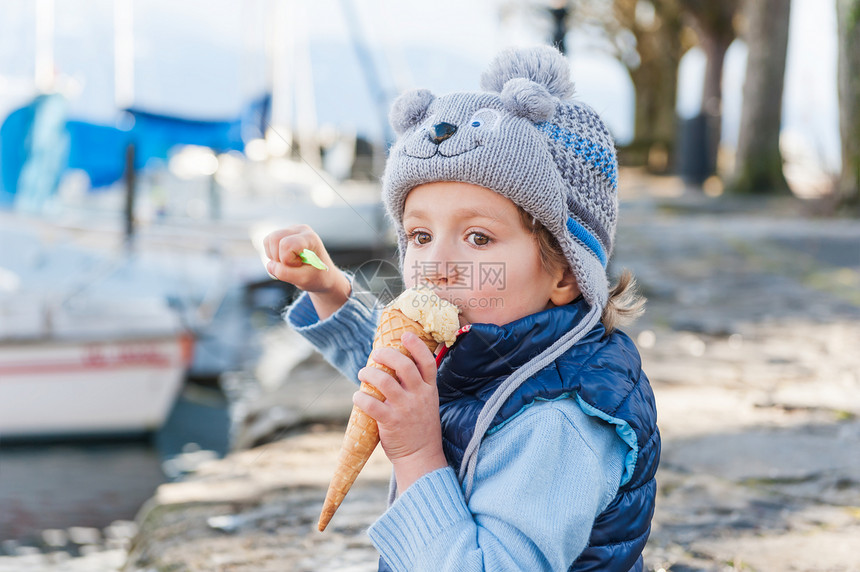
column 511, row 384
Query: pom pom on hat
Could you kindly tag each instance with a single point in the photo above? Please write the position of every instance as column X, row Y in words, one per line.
column 528, row 100
column 543, row 65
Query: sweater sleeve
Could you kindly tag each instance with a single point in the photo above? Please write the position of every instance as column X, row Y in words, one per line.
column 540, row 482
column 344, row 339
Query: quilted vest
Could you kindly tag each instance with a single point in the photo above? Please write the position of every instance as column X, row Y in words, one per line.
column 602, row 372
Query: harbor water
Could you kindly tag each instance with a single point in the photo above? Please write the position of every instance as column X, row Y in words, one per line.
column 72, row 500
column 93, row 482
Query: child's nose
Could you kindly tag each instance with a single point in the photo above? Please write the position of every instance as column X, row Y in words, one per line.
column 443, row 273
column 441, row 281
column 438, row 264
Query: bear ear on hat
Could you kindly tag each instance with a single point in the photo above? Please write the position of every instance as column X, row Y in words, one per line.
column 409, row 109
column 528, row 100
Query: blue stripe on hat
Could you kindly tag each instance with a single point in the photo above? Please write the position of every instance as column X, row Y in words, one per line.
column 582, row 235
column 597, row 156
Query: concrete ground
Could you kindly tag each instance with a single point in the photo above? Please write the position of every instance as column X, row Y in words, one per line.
column 750, row 341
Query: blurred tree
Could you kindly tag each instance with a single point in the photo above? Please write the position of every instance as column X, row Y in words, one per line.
column 656, row 27
column 758, row 161
column 848, row 18
column 714, row 23
column 649, row 37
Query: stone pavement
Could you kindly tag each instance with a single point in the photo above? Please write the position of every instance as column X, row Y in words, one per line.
column 74, row 549
column 750, row 341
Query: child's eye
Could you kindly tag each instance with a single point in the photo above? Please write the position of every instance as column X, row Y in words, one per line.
column 478, row 239
column 419, row 237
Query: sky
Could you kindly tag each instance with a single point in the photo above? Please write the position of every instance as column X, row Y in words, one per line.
column 205, row 58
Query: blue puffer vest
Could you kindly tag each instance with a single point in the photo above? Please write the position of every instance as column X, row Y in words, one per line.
column 603, row 373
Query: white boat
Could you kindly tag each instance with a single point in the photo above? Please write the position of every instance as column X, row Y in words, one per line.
column 89, row 387
column 103, row 367
column 86, row 346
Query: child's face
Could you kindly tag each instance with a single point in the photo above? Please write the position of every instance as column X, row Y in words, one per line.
column 469, row 243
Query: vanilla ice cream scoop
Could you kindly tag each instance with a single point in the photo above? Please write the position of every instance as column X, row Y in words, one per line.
column 438, row 317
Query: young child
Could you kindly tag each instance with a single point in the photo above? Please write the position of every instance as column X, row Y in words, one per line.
column 533, row 445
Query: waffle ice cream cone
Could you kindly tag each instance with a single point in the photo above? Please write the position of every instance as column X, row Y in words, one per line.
column 362, row 433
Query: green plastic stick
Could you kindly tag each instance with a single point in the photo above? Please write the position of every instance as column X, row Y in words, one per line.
column 310, row 257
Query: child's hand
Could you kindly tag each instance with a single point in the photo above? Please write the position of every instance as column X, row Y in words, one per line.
column 283, row 247
column 329, row 289
column 408, row 419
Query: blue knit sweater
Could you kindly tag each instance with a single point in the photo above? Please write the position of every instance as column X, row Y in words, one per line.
column 542, row 477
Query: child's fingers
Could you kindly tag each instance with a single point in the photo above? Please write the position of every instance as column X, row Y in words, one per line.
column 289, row 248
column 267, row 245
column 423, row 357
column 282, row 272
column 407, row 371
column 271, row 244
column 387, row 385
column 284, row 245
column 273, row 240
column 372, row 406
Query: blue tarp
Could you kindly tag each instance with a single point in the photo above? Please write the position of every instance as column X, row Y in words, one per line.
column 155, row 135
column 13, row 150
column 100, row 150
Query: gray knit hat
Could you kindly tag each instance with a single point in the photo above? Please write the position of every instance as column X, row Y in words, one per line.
column 523, row 138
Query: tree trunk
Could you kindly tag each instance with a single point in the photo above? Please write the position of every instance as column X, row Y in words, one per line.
column 714, row 24
column 758, row 162
column 655, row 122
column 712, row 96
column 655, row 83
column 656, row 86
column 848, row 17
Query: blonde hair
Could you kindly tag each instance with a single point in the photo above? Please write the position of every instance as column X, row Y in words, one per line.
column 625, row 303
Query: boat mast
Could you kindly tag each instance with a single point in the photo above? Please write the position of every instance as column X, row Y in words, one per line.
column 123, row 53
column 280, row 59
column 123, row 96
column 305, row 117
column 44, row 69
column 368, row 67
